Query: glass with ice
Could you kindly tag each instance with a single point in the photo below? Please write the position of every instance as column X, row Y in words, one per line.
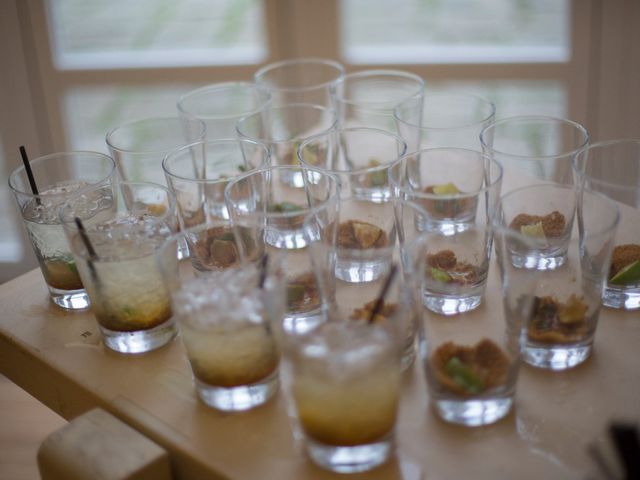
column 227, row 321
column 123, row 261
column 58, row 176
column 345, row 383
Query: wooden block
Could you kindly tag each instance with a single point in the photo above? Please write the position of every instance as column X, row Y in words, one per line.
column 98, row 446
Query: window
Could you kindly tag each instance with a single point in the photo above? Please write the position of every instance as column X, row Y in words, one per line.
column 89, row 65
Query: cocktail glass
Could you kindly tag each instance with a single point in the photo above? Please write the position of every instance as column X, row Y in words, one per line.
column 221, row 105
column 561, row 328
column 282, row 218
column 443, row 120
column 532, row 149
column 345, row 383
column 300, row 80
column 228, row 322
column 283, row 129
column 471, row 361
column 452, row 185
column 546, row 213
column 360, row 157
column 58, row 176
column 198, row 174
column 119, row 260
column 611, row 168
column 367, row 98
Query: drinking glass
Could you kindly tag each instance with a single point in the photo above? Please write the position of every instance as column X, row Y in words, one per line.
column 545, row 212
column 355, row 302
column 138, row 147
column 228, row 323
column 345, row 384
column 300, row 80
column 367, row 98
column 119, row 258
column 560, row 330
column 532, row 149
column 360, row 157
column 221, row 105
column 199, row 172
column 286, row 220
column 283, row 129
column 613, row 168
column 471, row 361
column 451, row 197
column 444, row 120
column 57, row 177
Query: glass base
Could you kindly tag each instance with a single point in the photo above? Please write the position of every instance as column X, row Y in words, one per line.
column 70, row 299
column 533, row 262
column 141, row 341
column 556, row 357
column 361, row 271
column 473, row 413
column 301, row 323
column 288, row 239
column 357, row 458
column 240, row 398
column 622, row 298
column 450, row 305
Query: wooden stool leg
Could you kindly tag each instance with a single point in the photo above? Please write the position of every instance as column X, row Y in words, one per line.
column 98, row 446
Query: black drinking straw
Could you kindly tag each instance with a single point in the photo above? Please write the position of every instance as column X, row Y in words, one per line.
column 263, row 270
column 27, row 167
column 90, row 250
column 383, row 293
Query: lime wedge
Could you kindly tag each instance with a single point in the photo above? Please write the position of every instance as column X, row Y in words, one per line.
column 446, row 189
column 628, row 275
column 534, row 230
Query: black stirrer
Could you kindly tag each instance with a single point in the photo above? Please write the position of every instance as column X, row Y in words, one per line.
column 263, row 270
column 93, row 256
column 383, row 293
column 27, row 167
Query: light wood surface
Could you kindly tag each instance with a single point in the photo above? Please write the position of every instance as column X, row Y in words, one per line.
column 57, row 356
column 24, row 423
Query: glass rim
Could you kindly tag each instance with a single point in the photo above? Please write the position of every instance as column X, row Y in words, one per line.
column 358, row 171
column 171, row 210
column 142, row 121
column 534, row 118
column 582, row 176
column 205, row 144
column 271, row 168
column 260, row 73
column 423, row 195
column 38, row 160
column 484, row 101
column 405, row 75
column 215, row 87
column 270, row 108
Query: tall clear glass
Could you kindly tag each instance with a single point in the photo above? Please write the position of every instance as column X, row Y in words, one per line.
column 445, row 120
column 360, row 158
column 300, row 80
column 221, row 105
column 457, row 191
column 58, row 176
column 367, row 98
column 121, row 261
column 613, row 169
column 138, row 147
column 561, row 328
column 532, row 149
column 198, row 174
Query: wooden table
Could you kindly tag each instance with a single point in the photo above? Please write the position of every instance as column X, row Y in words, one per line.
column 57, row 357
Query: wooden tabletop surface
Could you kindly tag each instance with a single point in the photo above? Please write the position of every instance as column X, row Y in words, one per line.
column 57, row 356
